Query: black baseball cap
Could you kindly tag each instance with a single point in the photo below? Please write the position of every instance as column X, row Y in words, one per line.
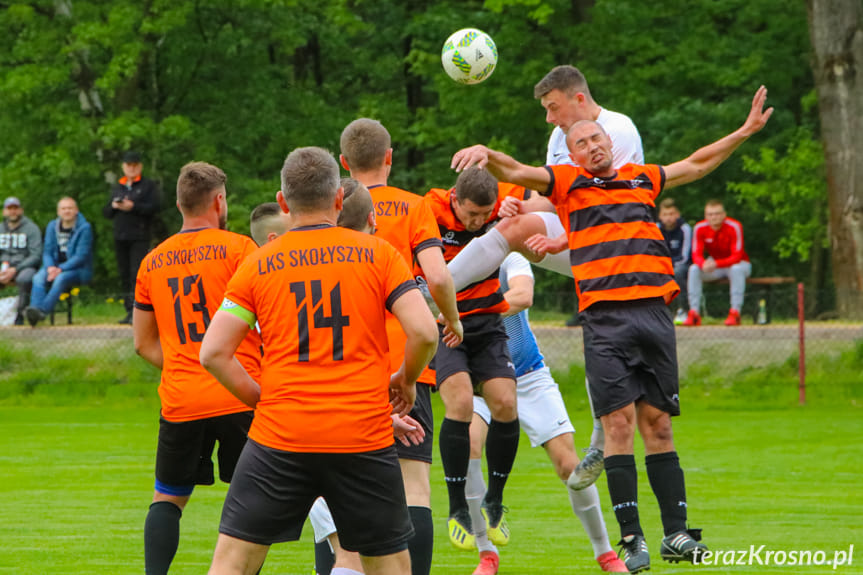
column 131, row 157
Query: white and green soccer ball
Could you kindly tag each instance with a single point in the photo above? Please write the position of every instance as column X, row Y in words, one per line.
column 469, row 56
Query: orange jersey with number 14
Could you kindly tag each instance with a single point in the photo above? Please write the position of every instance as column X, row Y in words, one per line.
column 320, row 295
column 183, row 282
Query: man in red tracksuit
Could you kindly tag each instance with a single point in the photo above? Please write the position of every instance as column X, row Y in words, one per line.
column 717, row 252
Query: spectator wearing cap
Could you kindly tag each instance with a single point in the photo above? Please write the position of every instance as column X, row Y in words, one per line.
column 20, row 252
column 67, row 260
column 133, row 205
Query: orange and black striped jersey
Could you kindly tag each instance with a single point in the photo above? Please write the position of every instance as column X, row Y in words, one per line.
column 485, row 295
column 616, row 250
column 183, row 281
column 320, row 296
column 406, row 222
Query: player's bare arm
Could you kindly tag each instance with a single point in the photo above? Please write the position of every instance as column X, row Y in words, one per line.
column 512, row 206
column 421, row 331
column 519, row 295
column 224, row 335
column 542, row 245
column 706, row 159
column 147, row 343
column 503, row 167
column 442, row 291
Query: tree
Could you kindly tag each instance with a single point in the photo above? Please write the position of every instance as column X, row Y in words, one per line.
column 836, row 31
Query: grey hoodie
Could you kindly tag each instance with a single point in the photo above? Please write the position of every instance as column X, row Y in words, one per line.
column 21, row 247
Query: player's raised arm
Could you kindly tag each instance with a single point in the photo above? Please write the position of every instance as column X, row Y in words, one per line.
column 422, row 337
column 706, row 159
column 224, row 335
column 503, row 167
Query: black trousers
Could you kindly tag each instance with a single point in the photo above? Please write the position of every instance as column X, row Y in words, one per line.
column 130, row 254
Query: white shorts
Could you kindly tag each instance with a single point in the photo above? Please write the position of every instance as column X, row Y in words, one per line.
column 558, row 263
column 322, row 520
column 541, row 411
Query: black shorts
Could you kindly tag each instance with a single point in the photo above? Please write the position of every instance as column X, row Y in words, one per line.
column 273, row 491
column 630, row 354
column 422, row 412
column 184, row 456
column 483, row 354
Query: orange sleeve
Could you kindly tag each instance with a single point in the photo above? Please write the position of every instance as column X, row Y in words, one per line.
column 657, row 178
column 240, row 287
column 562, row 177
column 142, row 287
column 425, row 231
column 398, row 279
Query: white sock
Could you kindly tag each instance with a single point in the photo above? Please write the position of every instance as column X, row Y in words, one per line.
column 344, row 571
column 585, row 505
column 597, row 437
column 474, row 491
column 478, row 259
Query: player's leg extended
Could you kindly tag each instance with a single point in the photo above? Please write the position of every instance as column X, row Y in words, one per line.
column 484, row 254
column 501, row 448
column 489, row 559
column 237, row 557
column 456, row 392
column 584, row 502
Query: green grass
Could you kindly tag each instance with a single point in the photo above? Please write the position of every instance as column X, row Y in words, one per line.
column 78, row 470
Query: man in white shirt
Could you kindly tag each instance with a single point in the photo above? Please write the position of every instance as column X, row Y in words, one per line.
column 565, row 95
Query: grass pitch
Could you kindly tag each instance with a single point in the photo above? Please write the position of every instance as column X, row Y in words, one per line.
column 77, row 481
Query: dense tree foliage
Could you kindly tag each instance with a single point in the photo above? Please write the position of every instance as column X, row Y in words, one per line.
column 241, row 82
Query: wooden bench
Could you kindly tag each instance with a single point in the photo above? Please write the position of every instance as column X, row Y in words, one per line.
column 767, row 282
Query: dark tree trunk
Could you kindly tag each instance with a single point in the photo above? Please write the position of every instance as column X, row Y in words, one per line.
column 836, row 32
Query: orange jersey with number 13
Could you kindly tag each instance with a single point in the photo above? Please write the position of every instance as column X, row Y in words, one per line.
column 183, row 282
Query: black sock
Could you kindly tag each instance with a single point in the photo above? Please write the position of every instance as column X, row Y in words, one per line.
column 420, row 547
column 161, row 537
column 622, row 482
column 324, row 558
column 455, row 455
column 666, row 480
column 500, row 449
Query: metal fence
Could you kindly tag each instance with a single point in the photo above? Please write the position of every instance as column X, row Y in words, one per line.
column 726, row 350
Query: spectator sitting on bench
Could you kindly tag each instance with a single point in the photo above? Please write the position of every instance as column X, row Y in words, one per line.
column 717, row 253
column 67, row 260
column 20, row 250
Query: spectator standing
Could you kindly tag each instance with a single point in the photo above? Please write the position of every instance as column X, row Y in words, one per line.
column 20, row 250
column 133, row 204
column 717, row 253
column 678, row 238
column 67, row 259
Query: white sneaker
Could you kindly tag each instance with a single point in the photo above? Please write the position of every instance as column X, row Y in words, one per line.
column 680, row 317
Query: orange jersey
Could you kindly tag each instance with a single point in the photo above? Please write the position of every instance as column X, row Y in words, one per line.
column 406, row 222
column 483, row 296
column 616, row 250
column 320, row 296
column 183, row 281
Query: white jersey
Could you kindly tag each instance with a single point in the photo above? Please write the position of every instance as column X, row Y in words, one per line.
column 625, row 141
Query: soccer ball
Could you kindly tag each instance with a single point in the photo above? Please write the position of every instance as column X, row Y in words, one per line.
column 469, row 56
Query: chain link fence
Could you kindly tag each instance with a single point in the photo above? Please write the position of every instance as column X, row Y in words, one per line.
column 94, row 336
